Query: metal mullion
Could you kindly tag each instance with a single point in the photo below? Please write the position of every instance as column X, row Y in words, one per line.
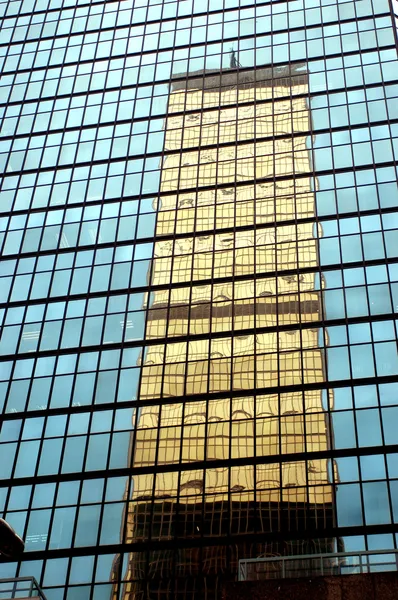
column 232, row 334
column 101, row 348
column 134, row 343
column 119, row 217
column 128, row 493
column 54, row 505
column 339, row 236
column 20, row 333
column 255, row 510
column 382, row 231
column 194, row 44
column 57, row 482
column 107, row 480
column 53, row 376
column 207, row 464
column 55, row 167
column 120, row 361
column 359, row 51
column 217, row 464
column 34, row 253
column 19, row 57
column 310, row 386
column 87, row 4
column 7, row 483
column 70, row 557
column 176, row 512
column 16, row 457
column 155, row 473
column 65, row 320
column 281, row 459
column 304, row 352
column 394, row 21
column 88, row 94
column 187, row 336
column 15, row 355
column 75, row 410
column 218, row 335
column 240, row 184
column 323, row 283
column 241, row 143
column 18, row 120
column 78, row 354
column 89, row 436
column 327, row 397
column 32, row 131
column 46, row 302
column 68, row 44
column 155, row 465
column 213, row 542
column 387, row 477
column 35, row 477
column 364, row 262
column 351, row 380
column 62, row 225
column 189, row 333
column 81, row 223
column 189, row 111
column 120, row 291
column 380, row 212
column 361, row 494
column 371, row 317
column 97, row 245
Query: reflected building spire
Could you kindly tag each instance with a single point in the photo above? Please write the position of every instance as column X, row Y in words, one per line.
column 234, row 63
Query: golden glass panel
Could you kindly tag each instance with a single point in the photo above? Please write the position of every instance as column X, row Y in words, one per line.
column 267, row 437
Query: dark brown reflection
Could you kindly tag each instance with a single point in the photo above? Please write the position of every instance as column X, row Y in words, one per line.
column 279, row 494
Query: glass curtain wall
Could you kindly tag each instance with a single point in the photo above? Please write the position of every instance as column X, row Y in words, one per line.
column 199, row 288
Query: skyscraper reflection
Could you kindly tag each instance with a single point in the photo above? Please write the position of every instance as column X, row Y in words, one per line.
column 231, row 441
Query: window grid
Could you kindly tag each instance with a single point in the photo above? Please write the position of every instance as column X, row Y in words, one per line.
column 199, row 289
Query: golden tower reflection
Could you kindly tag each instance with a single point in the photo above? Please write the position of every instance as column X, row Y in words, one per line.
column 235, row 318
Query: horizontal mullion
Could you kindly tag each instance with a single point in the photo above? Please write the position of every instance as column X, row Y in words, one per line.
column 270, row 224
column 139, row 403
column 192, row 44
column 161, row 20
column 210, row 464
column 201, row 232
column 203, row 147
column 194, row 234
column 223, row 540
column 189, row 76
column 318, row 324
column 213, row 541
column 108, row 161
column 228, row 279
column 203, row 109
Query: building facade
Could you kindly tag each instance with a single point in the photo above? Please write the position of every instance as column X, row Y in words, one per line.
column 199, row 288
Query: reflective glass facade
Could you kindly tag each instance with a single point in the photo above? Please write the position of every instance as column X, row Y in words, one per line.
column 199, row 288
